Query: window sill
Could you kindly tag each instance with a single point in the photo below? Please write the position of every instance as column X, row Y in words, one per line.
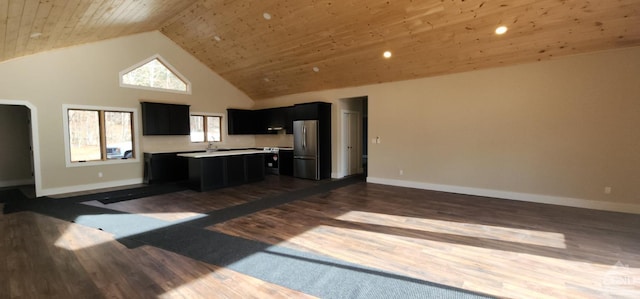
column 101, row 163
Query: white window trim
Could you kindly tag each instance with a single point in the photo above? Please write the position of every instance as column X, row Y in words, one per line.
column 222, row 126
column 165, row 63
column 67, row 149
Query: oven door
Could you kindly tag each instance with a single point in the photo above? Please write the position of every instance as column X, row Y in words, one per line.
column 271, row 163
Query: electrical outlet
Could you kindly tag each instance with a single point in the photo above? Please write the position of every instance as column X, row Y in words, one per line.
column 401, row 172
column 99, row 174
column 607, row 190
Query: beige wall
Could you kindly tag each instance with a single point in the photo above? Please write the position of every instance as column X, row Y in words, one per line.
column 88, row 75
column 557, row 131
column 15, row 156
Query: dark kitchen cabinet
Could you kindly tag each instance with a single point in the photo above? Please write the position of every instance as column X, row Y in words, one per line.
column 165, row 119
column 275, row 119
column 288, row 119
column 207, row 174
column 241, row 121
column 254, row 167
column 164, row 167
column 235, row 170
column 272, row 120
column 286, row 162
column 217, row 172
column 311, row 111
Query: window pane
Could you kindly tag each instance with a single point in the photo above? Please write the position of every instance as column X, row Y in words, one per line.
column 84, row 135
column 118, row 134
column 213, row 128
column 154, row 74
column 197, row 128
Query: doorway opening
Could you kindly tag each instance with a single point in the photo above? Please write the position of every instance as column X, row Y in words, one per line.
column 354, row 132
column 18, row 165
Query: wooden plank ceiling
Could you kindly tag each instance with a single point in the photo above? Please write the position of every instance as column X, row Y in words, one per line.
column 343, row 39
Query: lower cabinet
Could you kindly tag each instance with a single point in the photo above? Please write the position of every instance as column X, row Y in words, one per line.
column 164, row 167
column 218, row 172
column 255, row 167
column 236, row 170
column 206, row 174
column 286, row 162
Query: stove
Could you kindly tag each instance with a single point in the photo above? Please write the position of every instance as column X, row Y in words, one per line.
column 271, row 160
column 271, row 149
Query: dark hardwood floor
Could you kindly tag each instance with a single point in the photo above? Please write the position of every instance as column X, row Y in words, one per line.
column 497, row 247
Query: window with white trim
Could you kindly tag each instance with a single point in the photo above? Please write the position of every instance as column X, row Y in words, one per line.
column 206, row 128
column 156, row 74
column 94, row 134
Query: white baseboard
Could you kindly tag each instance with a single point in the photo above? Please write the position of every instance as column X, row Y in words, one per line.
column 546, row 199
column 78, row 188
column 16, row 183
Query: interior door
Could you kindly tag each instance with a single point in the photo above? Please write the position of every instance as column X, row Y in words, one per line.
column 351, row 142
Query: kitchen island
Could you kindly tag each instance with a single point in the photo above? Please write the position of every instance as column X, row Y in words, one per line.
column 219, row 169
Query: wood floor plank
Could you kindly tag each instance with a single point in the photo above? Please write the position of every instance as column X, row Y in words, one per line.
column 498, row 247
column 45, row 257
column 189, row 203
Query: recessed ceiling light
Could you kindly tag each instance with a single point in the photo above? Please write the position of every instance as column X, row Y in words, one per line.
column 266, row 16
column 501, row 30
column 316, row 69
column 387, row 54
column 35, row 34
column 217, row 38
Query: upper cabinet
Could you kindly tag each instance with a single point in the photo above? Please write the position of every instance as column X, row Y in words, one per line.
column 311, row 111
column 241, row 122
column 255, row 122
column 165, row 119
column 274, row 120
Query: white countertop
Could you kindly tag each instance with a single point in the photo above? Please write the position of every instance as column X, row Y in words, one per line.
column 222, row 153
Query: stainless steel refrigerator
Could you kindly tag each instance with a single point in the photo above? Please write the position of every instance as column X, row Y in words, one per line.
column 306, row 148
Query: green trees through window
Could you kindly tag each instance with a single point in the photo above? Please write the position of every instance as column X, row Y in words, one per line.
column 205, row 125
column 153, row 73
column 96, row 135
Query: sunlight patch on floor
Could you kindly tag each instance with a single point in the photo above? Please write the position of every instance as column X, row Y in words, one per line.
column 508, row 234
column 118, row 225
column 447, row 262
column 77, row 237
column 181, row 216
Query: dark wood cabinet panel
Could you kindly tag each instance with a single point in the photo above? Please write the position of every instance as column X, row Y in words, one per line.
column 311, row 111
column 165, row 119
column 207, row 174
column 263, row 121
column 307, row 111
column 254, row 165
column 218, row 172
column 288, row 120
column 236, row 171
column 286, row 162
column 242, row 122
column 164, row 167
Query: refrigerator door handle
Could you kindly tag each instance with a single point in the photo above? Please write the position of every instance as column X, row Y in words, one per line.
column 304, row 137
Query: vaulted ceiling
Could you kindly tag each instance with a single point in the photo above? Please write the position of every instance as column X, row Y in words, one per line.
column 269, row 48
